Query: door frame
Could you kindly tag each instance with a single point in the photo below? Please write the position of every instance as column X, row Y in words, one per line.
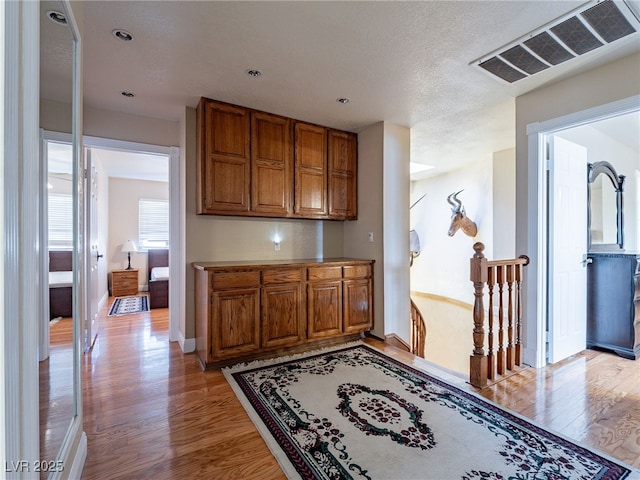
column 537, row 285
column 177, row 257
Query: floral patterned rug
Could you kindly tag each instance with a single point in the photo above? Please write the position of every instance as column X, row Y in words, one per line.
column 355, row 413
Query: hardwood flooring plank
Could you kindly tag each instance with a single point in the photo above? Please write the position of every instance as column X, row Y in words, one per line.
column 150, row 412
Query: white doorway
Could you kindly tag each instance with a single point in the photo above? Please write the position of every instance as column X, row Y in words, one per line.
column 142, row 163
column 542, row 283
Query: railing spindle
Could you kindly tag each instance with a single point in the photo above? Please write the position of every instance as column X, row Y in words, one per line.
column 491, row 281
column 501, row 359
column 510, row 350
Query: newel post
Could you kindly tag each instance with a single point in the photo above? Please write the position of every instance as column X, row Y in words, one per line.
column 478, row 360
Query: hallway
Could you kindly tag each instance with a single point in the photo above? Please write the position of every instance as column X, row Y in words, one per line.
column 149, row 410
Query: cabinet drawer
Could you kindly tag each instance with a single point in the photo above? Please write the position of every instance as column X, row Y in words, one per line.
column 324, row 273
column 281, row 275
column 357, row 271
column 123, row 277
column 235, row 280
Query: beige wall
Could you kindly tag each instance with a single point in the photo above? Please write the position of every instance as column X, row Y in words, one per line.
column 504, row 204
column 55, row 116
column 617, row 80
column 449, row 339
column 370, row 208
column 130, row 128
column 124, row 194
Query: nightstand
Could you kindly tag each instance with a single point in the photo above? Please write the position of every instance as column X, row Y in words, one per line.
column 124, row 282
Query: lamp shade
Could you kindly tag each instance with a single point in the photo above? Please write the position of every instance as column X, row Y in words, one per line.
column 129, row 246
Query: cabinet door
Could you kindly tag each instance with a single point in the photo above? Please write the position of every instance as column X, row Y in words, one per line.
column 310, row 171
column 343, row 161
column 271, row 164
column 235, row 322
column 282, row 322
column 357, row 305
column 223, row 166
column 324, row 309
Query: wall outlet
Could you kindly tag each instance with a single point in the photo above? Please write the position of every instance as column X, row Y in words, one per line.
column 370, row 237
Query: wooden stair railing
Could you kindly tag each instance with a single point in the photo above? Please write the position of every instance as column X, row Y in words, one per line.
column 418, row 331
column 508, row 354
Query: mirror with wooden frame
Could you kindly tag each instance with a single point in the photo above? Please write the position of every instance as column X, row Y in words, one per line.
column 604, row 207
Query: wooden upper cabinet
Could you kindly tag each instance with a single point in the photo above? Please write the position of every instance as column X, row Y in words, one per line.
column 310, row 171
column 223, row 167
column 253, row 163
column 343, row 175
column 271, row 164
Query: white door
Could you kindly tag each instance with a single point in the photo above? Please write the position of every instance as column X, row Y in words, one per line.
column 93, row 294
column 567, row 246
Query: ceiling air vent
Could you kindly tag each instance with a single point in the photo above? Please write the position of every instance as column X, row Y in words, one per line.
column 594, row 25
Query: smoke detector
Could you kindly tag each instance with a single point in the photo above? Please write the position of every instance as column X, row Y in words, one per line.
column 595, row 25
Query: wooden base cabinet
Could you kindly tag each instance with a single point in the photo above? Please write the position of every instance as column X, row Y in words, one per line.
column 247, row 311
column 282, row 321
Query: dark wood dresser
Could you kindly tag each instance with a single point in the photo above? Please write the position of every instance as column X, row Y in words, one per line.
column 613, row 303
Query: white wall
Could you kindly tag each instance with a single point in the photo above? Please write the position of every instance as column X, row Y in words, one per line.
column 395, row 192
column 443, row 266
column 625, row 160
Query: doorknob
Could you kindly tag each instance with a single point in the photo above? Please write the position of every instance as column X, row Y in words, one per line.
column 98, row 256
column 586, row 260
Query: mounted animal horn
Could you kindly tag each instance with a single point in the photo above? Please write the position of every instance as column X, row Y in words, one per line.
column 459, row 219
column 454, row 202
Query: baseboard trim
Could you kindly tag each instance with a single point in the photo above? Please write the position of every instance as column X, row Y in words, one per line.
column 78, row 460
column 187, row 345
column 394, row 340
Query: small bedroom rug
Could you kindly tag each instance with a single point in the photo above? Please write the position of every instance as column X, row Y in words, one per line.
column 127, row 305
column 354, row 413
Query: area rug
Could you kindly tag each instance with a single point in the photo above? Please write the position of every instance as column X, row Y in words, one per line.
column 127, row 305
column 356, row 413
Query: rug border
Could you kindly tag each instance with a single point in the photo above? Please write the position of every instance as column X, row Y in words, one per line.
column 288, row 467
column 128, row 313
column 280, row 455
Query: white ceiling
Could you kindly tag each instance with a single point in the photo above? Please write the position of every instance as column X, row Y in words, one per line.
column 407, row 63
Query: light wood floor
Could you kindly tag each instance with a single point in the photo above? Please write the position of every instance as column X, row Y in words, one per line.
column 150, row 412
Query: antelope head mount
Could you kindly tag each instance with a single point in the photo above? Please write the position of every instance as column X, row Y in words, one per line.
column 459, row 219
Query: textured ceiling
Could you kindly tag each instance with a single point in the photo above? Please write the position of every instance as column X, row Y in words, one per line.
column 407, row 63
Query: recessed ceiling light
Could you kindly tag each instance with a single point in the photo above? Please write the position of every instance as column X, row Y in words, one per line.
column 253, row 73
column 122, row 35
column 127, row 94
column 343, row 100
column 58, row 17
